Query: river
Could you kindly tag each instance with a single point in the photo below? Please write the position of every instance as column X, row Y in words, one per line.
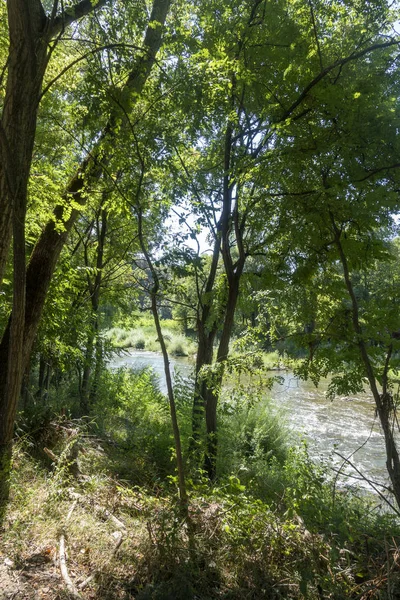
column 346, row 425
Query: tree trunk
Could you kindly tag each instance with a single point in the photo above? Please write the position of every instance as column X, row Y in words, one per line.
column 171, row 397
column 30, row 32
column 98, row 365
column 229, row 227
column 87, row 369
column 26, row 67
column 47, row 250
column 383, row 401
column 42, row 370
column 212, row 393
column 205, row 349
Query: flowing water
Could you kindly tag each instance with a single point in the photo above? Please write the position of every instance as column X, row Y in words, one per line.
column 346, row 425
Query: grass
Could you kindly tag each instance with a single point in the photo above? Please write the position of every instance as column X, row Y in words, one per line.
column 144, row 337
column 270, row 527
column 241, row 543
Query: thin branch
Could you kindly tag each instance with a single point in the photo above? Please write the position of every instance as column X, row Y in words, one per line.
column 84, row 57
column 374, row 487
column 316, row 34
column 378, row 170
column 338, row 63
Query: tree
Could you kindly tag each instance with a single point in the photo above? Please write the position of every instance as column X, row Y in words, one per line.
column 343, row 214
column 261, row 94
column 31, row 35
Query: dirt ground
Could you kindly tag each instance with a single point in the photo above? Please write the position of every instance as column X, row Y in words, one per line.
column 37, row 578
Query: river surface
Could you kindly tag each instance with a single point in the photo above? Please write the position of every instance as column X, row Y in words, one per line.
column 346, row 425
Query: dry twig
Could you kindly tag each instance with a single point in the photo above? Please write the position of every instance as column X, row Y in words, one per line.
column 63, row 561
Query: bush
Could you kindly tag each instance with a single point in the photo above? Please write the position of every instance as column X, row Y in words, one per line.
column 135, row 416
column 253, row 444
column 140, row 344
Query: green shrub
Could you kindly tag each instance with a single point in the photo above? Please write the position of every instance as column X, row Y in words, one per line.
column 253, row 443
column 140, row 344
column 132, row 412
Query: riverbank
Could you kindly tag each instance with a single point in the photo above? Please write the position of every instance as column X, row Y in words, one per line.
column 144, row 337
column 125, row 538
column 343, row 429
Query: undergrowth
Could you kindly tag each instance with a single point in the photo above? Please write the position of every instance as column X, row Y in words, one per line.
column 271, row 527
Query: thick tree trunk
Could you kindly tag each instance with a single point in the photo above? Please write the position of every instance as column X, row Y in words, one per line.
column 212, row 394
column 27, row 63
column 47, row 250
column 26, row 66
column 30, row 32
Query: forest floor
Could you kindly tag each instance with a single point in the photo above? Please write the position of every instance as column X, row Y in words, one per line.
column 125, row 541
column 37, row 576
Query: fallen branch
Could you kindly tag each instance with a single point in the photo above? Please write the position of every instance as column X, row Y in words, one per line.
column 51, row 454
column 118, row 544
column 112, row 518
column 63, row 561
column 86, row 582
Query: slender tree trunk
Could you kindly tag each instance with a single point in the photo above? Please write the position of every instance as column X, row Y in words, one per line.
column 229, row 227
column 94, row 291
column 383, row 401
column 206, row 333
column 212, row 393
column 98, row 365
column 205, row 351
column 42, row 370
column 87, row 369
column 171, row 397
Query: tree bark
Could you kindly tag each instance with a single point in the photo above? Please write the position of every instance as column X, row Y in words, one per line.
column 26, row 66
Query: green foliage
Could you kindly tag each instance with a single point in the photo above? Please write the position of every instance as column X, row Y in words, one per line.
column 282, row 536
column 144, row 337
column 136, row 417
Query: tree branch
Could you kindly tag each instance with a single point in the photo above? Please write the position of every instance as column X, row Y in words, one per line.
column 73, row 13
column 338, row 63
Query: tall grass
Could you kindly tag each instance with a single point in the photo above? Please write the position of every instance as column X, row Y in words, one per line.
column 144, row 337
